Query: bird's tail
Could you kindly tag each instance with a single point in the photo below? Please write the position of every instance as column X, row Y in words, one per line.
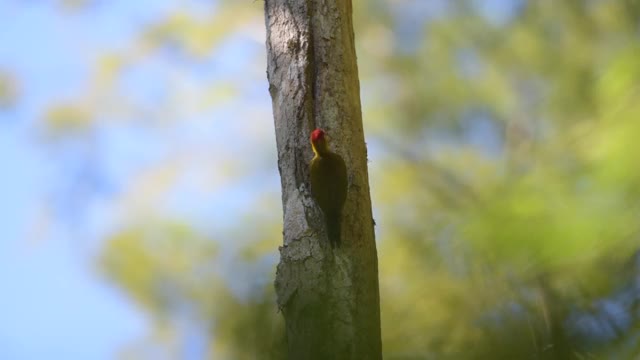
column 334, row 228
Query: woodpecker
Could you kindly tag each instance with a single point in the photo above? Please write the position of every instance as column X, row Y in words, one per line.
column 328, row 184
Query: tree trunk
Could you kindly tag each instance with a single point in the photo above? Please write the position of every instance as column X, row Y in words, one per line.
column 329, row 297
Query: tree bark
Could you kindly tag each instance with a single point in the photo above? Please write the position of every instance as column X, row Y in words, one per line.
column 329, row 297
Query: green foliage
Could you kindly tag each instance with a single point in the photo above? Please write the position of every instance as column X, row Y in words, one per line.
column 172, row 272
column 533, row 227
column 160, row 262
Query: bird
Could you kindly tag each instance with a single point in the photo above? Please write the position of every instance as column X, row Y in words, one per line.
column 328, row 173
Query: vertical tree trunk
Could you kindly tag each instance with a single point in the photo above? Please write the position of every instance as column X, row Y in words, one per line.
column 329, row 297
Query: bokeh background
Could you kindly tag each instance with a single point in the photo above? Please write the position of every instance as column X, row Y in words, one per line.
column 140, row 200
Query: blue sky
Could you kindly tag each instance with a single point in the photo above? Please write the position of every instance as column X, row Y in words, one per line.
column 54, row 303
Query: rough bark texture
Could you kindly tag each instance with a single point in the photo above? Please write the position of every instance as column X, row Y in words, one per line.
column 329, row 297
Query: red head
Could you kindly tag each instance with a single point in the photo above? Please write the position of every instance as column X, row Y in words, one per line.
column 317, row 135
column 319, row 141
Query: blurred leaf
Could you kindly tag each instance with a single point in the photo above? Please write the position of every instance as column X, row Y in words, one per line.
column 9, row 90
column 161, row 264
column 66, row 119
